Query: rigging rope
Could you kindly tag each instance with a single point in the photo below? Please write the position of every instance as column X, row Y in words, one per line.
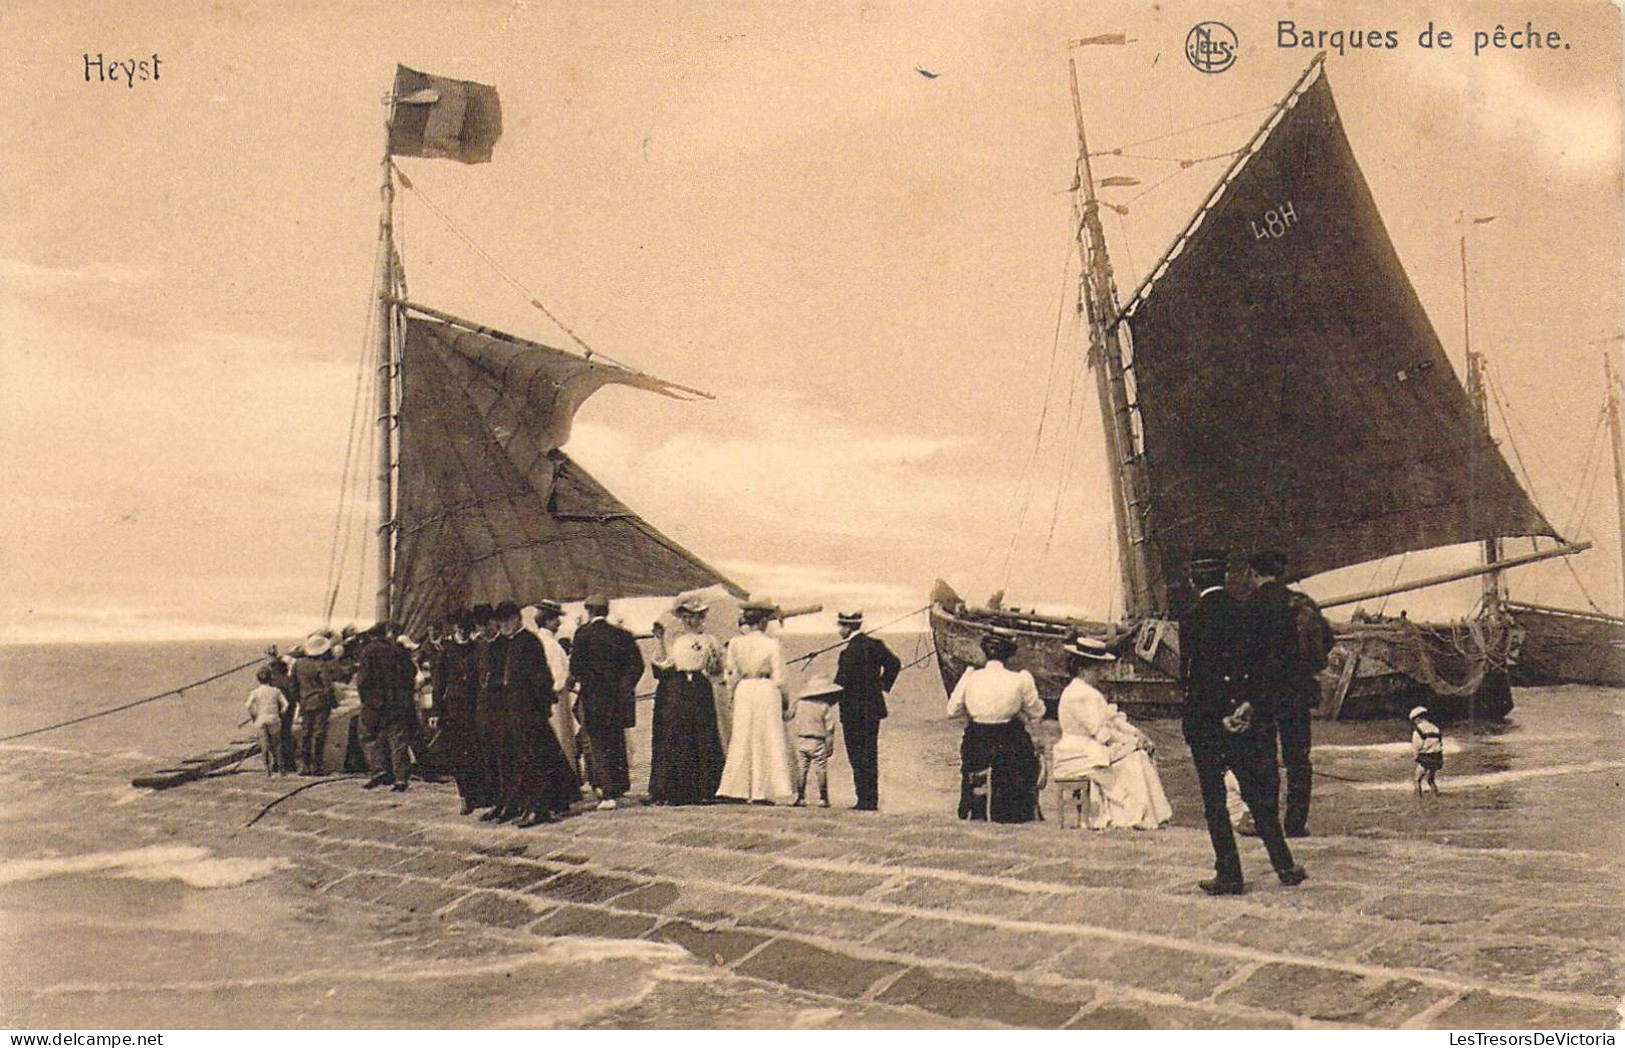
column 335, row 563
column 496, row 267
column 131, row 705
column 1183, row 167
column 1182, row 131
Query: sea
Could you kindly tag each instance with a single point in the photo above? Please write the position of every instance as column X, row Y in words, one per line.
column 95, row 909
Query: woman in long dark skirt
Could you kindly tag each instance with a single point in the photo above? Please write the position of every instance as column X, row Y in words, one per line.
column 686, row 755
column 999, row 703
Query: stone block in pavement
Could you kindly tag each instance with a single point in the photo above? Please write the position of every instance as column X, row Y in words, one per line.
column 1570, row 967
column 364, row 887
column 1569, row 1017
column 1331, row 995
column 939, row 893
column 717, row 866
column 970, row 995
column 430, row 863
column 716, row 946
column 1434, row 907
column 984, row 863
column 729, row 840
column 583, row 886
column 1295, row 932
column 831, row 921
column 996, row 948
column 1600, row 923
column 598, row 924
column 699, row 902
column 316, row 874
column 802, row 966
column 414, row 896
column 360, row 856
column 1125, row 910
column 1491, row 1011
column 510, row 875
column 820, row 882
column 608, row 854
column 1189, row 974
column 1125, row 1014
column 492, row 908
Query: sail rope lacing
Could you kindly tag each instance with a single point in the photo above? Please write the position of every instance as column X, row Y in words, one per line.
column 497, row 267
column 138, row 702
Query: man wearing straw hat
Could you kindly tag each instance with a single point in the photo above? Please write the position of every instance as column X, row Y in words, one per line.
column 313, row 672
column 865, row 673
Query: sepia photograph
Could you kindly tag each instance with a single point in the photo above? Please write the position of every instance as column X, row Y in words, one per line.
column 768, row 515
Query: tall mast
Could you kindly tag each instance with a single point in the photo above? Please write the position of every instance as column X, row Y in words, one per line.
column 1143, row 592
column 1618, row 434
column 1494, row 582
column 383, row 294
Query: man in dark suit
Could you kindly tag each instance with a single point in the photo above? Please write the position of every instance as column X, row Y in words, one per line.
column 1228, row 724
column 1292, row 640
column 539, row 782
column 866, row 672
column 384, row 680
column 607, row 665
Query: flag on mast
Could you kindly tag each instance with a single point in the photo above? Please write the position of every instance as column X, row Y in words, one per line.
column 434, row 116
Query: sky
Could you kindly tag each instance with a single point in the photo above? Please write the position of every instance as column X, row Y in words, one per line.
column 872, row 269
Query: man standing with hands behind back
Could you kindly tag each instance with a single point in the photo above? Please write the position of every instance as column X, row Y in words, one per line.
column 866, row 672
column 1228, row 725
column 606, row 663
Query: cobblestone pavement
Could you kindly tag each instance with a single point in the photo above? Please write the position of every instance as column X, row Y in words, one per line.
column 921, row 920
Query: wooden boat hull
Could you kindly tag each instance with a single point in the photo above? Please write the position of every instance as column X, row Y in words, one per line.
column 1376, row 670
column 1568, row 647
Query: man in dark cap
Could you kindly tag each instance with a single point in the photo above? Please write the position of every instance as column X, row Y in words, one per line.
column 384, row 679
column 490, row 712
column 1226, row 727
column 865, row 673
column 456, row 682
column 1292, row 642
column 606, row 663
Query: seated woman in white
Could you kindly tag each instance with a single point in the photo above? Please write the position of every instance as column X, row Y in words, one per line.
column 1099, row 744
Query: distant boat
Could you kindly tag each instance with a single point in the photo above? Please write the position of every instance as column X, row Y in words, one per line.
column 1275, row 383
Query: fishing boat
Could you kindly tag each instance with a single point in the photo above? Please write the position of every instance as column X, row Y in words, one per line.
column 477, row 503
column 1275, row 383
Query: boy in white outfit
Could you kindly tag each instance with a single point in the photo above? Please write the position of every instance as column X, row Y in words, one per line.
column 814, row 718
column 1427, row 742
column 265, row 706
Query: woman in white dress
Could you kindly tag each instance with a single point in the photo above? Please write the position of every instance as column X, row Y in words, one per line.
column 758, row 764
column 1099, row 744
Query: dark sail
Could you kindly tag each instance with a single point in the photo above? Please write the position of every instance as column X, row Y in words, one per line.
column 489, row 508
column 1292, row 392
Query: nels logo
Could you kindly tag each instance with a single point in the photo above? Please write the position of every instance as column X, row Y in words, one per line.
column 1210, row 47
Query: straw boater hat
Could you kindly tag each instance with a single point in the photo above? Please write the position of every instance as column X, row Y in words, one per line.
column 1209, row 561
column 1420, row 711
column 690, row 606
column 317, row 645
column 1089, row 648
column 544, row 608
column 850, row 618
column 757, row 610
column 820, row 688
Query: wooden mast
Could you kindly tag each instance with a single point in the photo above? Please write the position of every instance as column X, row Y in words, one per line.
column 1618, row 442
column 383, row 293
column 1143, row 588
column 1494, row 584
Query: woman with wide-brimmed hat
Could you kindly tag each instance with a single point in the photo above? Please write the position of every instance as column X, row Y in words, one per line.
column 996, row 753
column 758, row 764
column 1099, row 744
column 686, row 757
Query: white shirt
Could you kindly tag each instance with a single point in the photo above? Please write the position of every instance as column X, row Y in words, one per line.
column 558, row 663
column 755, row 654
column 693, row 653
column 994, row 695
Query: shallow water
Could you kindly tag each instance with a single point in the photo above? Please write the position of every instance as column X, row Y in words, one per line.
column 124, row 929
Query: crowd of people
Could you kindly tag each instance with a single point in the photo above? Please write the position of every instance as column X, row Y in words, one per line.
column 522, row 720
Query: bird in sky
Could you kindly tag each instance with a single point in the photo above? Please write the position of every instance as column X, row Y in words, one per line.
column 926, row 73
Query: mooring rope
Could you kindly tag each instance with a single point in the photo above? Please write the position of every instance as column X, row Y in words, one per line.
column 137, row 702
column 300, row 789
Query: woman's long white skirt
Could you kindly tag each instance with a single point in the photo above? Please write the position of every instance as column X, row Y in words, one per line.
column 758, row 766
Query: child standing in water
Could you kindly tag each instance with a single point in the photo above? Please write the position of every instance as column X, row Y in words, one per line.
column 266, row 704
column 1427, row 741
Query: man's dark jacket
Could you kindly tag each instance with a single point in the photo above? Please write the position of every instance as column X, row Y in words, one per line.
column 865, row 673
column 1214, row 651
column 606, row 663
